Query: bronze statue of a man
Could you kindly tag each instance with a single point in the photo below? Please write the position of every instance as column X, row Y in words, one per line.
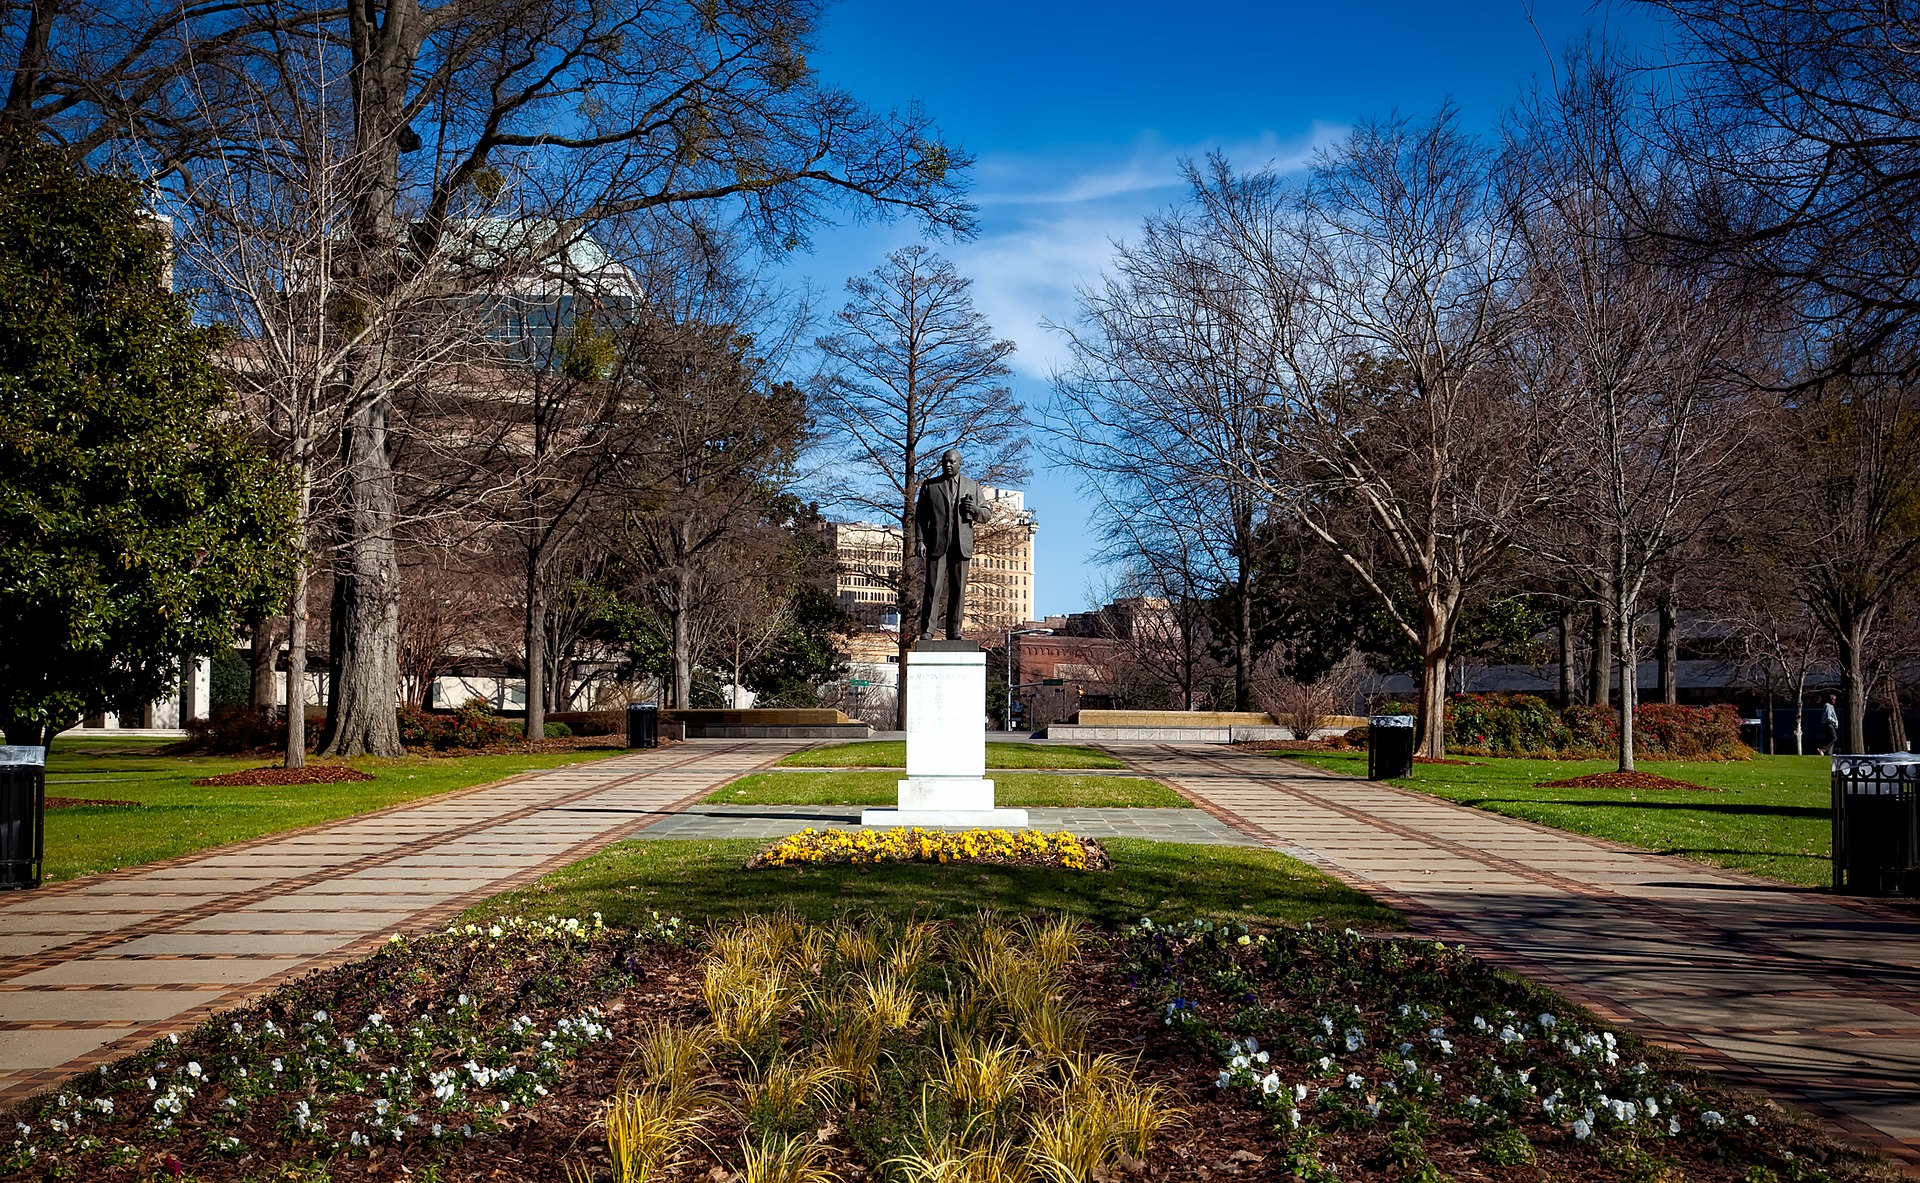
column 943, row 519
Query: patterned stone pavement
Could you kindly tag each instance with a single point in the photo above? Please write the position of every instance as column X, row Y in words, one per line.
column 1811, row 998
column 94, row 968
column 777, row 821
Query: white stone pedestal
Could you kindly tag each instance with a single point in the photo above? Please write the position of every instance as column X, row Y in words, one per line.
column 946, row 781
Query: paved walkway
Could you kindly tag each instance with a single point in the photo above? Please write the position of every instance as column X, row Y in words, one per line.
column 777, row 821
column 1812, row 998
column 92, row 969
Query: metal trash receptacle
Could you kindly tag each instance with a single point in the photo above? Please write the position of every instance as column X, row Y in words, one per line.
column 1389, row 746
column 23, row 811
column 643, row 725
column 1876, row 824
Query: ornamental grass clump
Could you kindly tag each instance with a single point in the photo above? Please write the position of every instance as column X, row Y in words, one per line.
column 939, row 1052
column 911, row 844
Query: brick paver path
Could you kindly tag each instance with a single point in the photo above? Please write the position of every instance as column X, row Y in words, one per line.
column 1812, row 998
column 777, row 821
column 93, row 968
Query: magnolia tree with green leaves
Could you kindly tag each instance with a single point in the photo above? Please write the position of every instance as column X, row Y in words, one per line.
column 137, row 524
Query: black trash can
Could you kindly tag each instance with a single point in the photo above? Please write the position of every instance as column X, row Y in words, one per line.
column 1876, row 824
column 1389, row 746
column 643, row 725
column 23, row 810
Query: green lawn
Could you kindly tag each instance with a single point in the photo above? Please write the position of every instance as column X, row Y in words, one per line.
column 1772, row 817
column 1031, row 790
column 892, row 753
column 178, row 818
column 704, row 880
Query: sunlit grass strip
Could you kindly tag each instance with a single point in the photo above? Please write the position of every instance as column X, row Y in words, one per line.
column 911, row 844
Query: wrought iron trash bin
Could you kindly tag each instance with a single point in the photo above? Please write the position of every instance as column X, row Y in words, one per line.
column 1389, row 746
column 643, row 725
column 1876, row 824
column 23, row 811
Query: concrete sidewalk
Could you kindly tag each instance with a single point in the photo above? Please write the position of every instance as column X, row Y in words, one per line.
column 1809, row 997
column 94, row 968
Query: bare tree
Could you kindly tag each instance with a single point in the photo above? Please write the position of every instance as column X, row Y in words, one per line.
column 1643, row 357
column 911, row 370
column 1162, row 406
column 607, row 110
column 1854, row 470
column 1797, row 126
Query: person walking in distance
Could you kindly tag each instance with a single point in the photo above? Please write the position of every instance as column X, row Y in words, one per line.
column 943, row 519
column 1830, row 723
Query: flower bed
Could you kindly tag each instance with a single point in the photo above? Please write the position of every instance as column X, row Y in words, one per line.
column 911, row 844
column 1021, row 1051
column 403, row 1056
column 1405, row 1059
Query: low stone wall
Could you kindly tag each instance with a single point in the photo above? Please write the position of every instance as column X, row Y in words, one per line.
column 1083, row 733
column 1173, row 719
column 840, row 731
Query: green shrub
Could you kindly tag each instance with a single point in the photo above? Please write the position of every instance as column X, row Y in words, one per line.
column 1688, row 733
column 558, row 731
column 1504, row 724
column 472, row 726
column 1526, row 725
column 243, row 730
column 1595, row 730
column 229, row 679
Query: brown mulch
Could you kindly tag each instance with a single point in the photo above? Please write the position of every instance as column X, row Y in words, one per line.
column 1624, row 780
column 312, row 774
column 77, row 802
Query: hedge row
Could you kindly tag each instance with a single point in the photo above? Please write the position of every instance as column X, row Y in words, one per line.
column 1526, row 725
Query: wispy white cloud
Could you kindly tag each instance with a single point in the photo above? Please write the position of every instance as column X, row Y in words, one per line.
column 1050, row 221
column 1148, row 165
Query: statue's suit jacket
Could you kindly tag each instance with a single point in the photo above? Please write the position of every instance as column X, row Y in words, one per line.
column 936, row 516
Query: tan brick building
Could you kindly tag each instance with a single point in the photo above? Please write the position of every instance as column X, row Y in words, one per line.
column 1000, row 587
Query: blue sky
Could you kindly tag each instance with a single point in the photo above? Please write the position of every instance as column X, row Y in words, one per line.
column 1079, row 114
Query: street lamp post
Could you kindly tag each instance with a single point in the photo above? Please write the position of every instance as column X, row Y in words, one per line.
column 1013, row 667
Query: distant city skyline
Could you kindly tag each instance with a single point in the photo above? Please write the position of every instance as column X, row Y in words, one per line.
column 1079, row 116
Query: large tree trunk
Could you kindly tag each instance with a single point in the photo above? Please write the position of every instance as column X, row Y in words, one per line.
column 364, row 675
column 1669, row 648
column 1629, row 682
column 1896, row 725
column 365, row 662
column 1435, row 648
column 1600, row 673
column 262, row 652
column 1800, row 715
column 536, row 649
column 1853, row 645
column 1567, row 683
